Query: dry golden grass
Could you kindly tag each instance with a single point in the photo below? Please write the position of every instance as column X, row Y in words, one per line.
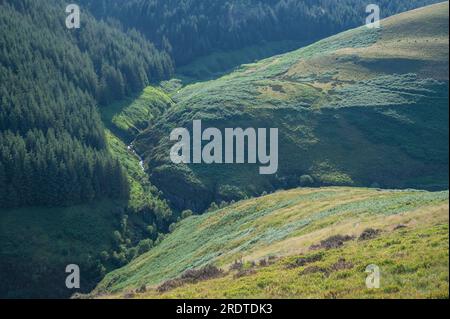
column 298, row 245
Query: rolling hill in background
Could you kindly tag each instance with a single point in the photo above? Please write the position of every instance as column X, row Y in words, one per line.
column 364, row 107
column 367, row 107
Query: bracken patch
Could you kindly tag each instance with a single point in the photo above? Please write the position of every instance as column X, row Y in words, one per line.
column 332, row 242
column 191, row 276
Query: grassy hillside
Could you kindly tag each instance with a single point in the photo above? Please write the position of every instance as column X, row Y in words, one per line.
column 382, row 91
column 270, row 233
column 221, row 62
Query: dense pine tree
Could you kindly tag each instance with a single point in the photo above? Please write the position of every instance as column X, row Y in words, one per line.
column 52, row 144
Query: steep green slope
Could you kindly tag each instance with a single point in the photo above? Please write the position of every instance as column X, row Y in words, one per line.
column 63, row 194
column 288, row 223
column 365, row 107
column 132, row 116
column 340, row 273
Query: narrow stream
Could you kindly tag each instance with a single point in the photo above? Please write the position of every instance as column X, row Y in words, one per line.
column 133, row 151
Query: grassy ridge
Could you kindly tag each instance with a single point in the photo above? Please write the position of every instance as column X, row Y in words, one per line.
column 382, row 91
column 281, row 224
